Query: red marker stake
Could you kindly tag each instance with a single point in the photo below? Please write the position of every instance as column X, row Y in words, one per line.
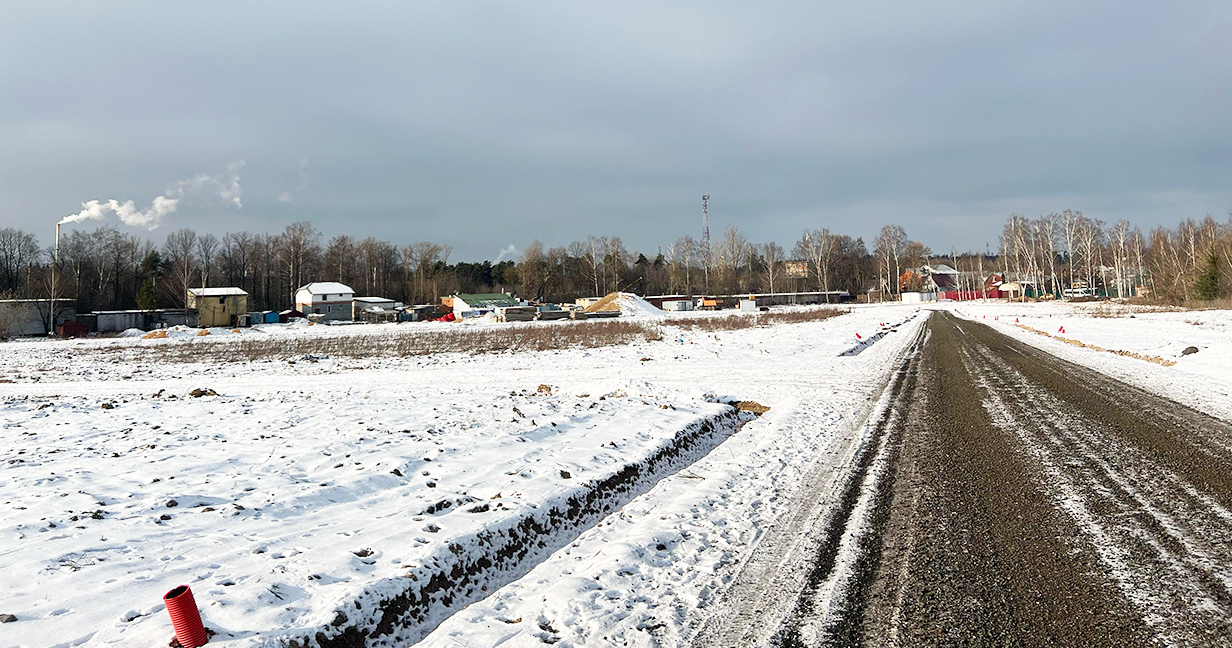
column 185, row 617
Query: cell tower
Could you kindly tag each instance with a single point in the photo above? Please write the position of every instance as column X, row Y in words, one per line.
column 705, row 220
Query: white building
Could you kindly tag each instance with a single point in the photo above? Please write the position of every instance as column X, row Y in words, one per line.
column 329, row 299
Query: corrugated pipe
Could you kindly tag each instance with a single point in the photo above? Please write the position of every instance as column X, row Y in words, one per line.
column 185, row 617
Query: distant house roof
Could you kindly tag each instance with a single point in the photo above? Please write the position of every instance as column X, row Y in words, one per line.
column 217, row 292
column 373, row 300
column 945, row 280
column 941, row 269
column 486, row 300
column 328, row 288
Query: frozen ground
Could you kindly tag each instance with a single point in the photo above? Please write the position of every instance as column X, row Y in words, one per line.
column 304, row 490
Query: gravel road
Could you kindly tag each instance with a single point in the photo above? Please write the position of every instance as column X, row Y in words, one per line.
column 1009, row 498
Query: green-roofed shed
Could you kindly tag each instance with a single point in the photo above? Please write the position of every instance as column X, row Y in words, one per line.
column 468, row 305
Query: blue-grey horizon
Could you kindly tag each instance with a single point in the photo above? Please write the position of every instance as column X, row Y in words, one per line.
column 485, row 126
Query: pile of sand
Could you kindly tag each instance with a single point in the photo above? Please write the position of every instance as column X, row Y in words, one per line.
column 628, row 304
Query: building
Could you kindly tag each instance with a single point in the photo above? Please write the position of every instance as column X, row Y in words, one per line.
column 218, row 306
column 940, row 278
column 479, row 304
column 145, row 320
column 329, row 300
column 677, row 304
column 910, row 281
column 361, row 304
column 20, row 317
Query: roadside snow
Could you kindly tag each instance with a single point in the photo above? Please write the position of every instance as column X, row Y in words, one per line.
column 287, row 506
column 1200, row 380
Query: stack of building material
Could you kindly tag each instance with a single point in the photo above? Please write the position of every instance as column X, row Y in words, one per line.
column 515, row 313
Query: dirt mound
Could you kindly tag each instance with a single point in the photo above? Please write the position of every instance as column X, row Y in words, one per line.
column 608, row 303
column 628, row 304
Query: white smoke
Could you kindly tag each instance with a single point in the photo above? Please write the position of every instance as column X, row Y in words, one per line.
column 225, row 185
column 510, row 252
column 127, row 211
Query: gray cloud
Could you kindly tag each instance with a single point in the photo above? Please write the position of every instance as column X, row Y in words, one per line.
column 480, row 125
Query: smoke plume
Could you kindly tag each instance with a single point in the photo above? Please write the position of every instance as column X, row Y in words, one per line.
column 510, row 252
column 225, row 186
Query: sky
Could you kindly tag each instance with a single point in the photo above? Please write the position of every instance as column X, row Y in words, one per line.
column 483, row 125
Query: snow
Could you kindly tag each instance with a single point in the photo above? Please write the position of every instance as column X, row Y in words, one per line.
column 285, row 477
column 632, row 305
column 309, row 450
column 328, row 288
column 217, row 292
column 1200, row 380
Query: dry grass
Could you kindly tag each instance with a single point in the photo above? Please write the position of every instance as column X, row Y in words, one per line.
column 736, row 322
column 711, row 324
column 1177, row 306
column 799, row 316
column 400, row 343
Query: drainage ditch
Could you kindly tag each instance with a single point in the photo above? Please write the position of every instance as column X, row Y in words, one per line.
column 401, row 611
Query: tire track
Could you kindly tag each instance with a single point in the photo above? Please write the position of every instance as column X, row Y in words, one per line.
column 779, row 583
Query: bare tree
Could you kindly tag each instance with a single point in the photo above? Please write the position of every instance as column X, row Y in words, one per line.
column 533, row 271
column 298, row 249
column 680, row 256
column 816, row 248
column 207, row 252
column 731, row 251
column 772, row 255
column 19, row 252
column 339, row 259
column 1071, row 223
column 180, row 251
column 1120, row 237
column 888, row 248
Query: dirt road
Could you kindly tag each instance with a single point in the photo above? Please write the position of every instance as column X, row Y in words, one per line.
column 1008, row 498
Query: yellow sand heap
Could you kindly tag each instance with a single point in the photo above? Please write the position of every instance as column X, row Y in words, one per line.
column 155, row 335
column 608, row 303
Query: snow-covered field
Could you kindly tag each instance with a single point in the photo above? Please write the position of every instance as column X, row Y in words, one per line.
column 300, row 496
column 309, row 490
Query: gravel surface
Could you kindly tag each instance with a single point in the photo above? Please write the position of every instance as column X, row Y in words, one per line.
column 1010, row 498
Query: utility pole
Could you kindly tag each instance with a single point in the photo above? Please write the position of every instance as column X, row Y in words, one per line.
column 706, row 240
column 705, row 220
column 55, row 275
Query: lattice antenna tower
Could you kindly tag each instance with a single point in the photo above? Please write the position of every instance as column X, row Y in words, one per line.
column 705, row 220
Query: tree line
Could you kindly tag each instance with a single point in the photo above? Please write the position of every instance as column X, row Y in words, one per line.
column 1189, row 262
column 106, row 269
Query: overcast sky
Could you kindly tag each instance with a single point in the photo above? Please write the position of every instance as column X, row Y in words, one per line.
column 486, row 124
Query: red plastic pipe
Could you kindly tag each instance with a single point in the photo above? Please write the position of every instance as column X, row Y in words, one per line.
column 185, row 617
